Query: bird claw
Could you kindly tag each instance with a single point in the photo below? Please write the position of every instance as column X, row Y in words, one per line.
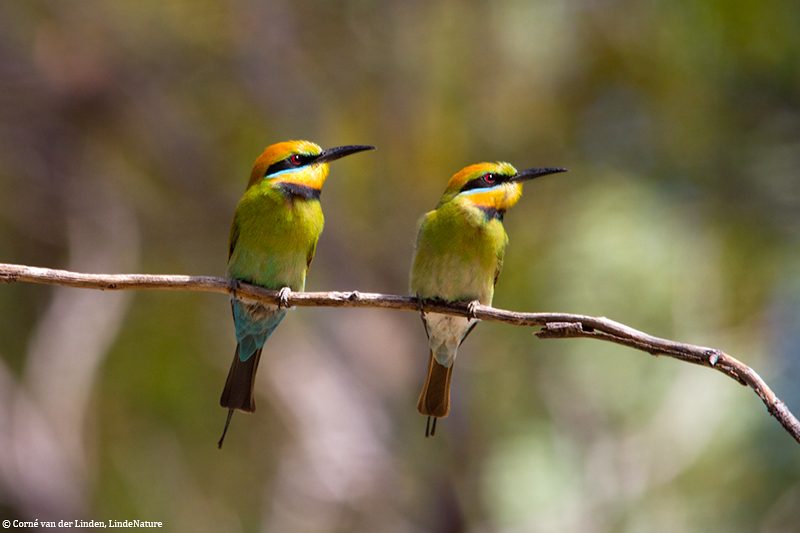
column 421, row 306
column 234, row 285
column 472, row 308
column 283, row 297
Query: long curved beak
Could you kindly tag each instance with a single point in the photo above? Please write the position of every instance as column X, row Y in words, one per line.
column 332, row 154
column 530, row 173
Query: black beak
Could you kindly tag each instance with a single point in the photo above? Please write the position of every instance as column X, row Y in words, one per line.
column 529, row 174
column 332, row 154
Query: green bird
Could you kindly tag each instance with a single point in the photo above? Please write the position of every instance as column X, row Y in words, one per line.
column 273, row 237
column 457, row 258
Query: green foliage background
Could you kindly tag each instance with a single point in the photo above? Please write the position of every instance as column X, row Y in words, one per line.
column 127, row 131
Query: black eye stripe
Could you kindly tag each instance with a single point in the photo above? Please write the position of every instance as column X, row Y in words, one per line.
column 481, row 181
column 287, row 163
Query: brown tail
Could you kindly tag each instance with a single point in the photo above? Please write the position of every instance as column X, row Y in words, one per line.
column 435, row 397
column 238, row 392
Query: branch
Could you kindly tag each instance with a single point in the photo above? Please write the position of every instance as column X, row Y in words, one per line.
column 556, row 325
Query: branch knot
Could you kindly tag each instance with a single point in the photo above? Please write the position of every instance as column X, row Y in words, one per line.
column 713, row 356
column 560, row 330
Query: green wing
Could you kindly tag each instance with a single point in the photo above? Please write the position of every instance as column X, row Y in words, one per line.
column 311, row 254
column 500, row 255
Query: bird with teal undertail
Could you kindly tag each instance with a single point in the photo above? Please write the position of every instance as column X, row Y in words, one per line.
column 273, row 237
column 457, row 258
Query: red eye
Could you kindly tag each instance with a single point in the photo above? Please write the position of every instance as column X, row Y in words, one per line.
column 489, row 178
column 296, row 159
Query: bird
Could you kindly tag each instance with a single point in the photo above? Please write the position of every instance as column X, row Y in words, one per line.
column 458, row 256
column 273, row 238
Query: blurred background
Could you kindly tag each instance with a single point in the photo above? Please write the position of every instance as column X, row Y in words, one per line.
column 127, row 133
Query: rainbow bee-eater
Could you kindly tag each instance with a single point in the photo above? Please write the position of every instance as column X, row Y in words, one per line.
column 273, row 237
column 457, row 258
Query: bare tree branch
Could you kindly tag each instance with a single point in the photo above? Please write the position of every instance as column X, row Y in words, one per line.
column 555, row 325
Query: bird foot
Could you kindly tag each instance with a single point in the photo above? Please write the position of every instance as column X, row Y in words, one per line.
column 283, row 297
column 421, row 306
column 234, row 286
column 472, row 308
